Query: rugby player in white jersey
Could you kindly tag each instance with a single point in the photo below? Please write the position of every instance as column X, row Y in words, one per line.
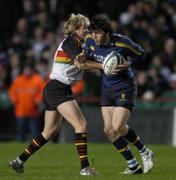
column 58, row 98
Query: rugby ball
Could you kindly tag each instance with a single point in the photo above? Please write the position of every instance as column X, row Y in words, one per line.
column 111, row 61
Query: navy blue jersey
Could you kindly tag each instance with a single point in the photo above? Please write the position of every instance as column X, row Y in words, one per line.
column 117, row 90
column 131, row 51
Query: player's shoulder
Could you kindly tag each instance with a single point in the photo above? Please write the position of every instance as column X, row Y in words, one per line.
column 119, row 37
column 89, row 38
column 70, row 41
column 88, row 41
column 71, row 38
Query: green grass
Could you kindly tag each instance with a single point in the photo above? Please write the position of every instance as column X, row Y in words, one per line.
column 60, row 162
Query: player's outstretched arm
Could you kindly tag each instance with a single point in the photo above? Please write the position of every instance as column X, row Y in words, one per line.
column 82, row 62
column 88, row 64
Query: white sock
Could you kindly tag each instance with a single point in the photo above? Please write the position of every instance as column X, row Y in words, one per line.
column 132, row 163
column 143, row 151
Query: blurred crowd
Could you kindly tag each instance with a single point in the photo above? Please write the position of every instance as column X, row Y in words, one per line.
column 153, row 26
column 31, row 47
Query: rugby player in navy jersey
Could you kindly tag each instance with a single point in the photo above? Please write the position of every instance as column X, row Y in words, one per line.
column 58, row 98
column 119, row 90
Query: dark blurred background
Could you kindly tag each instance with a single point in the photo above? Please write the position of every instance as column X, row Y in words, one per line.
column 30, row 31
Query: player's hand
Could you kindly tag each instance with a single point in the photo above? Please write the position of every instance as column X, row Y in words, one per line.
column 121, row 67
column 81, row 57
column 78, row 64
column 80, row 60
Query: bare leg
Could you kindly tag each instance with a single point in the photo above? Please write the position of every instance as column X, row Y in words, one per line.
column 72, row 113
column 115, row 118
column 52, row 122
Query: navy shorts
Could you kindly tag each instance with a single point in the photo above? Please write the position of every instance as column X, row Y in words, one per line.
column 56, row 93
column 119, row 97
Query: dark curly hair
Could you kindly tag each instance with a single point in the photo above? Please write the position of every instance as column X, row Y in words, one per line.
column 101, row 21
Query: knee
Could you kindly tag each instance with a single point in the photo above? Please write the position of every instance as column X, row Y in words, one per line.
column 109, row 132
column 123, row 131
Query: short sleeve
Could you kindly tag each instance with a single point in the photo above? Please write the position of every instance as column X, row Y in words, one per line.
column 72, row 46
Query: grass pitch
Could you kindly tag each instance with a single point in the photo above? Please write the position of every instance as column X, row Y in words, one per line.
column 60, row 162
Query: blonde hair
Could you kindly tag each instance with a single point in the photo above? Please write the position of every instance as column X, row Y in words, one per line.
column 74, row 23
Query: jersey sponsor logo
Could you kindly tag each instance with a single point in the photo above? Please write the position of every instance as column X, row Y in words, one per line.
column 99, row 58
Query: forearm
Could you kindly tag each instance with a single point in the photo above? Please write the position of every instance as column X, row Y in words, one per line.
column 89, row 65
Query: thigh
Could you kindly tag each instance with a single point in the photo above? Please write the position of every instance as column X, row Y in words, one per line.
column 71, row 112
column 120, row 117
column 107, row 112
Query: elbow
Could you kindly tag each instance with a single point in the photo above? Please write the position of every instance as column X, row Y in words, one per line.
column 141, row 56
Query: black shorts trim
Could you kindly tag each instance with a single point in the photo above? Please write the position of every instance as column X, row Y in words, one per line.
column 56, row 93
column 127, row 106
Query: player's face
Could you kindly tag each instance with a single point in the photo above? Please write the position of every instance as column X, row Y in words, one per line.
column 82, row 31
column 99, row 36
